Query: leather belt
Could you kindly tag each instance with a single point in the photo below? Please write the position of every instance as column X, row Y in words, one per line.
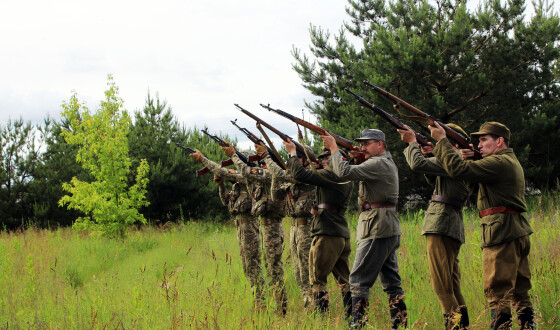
column 497, row 209
column 447, row 200
column 331, row 208
column 367, row 206
column 301, row 221
column 240, row 221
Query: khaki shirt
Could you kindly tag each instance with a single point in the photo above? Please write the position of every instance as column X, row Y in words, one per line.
column 501, row 182
column 379, row 182
column 329, row 222
column 441, row 218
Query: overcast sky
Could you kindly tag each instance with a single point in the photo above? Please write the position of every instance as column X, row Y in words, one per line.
column 200, row 56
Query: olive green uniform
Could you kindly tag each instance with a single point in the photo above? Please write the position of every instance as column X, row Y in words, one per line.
column 330, row 246
column 505, row 236
column 271, row 212
column 299, row 199
column 443, row 227
column 239, row 204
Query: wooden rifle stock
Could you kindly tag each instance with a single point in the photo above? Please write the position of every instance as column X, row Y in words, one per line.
column 283, row 136
column 388, row 117
column 454, row 136
column 256, row 140
column 341, row 141
column 223, row 143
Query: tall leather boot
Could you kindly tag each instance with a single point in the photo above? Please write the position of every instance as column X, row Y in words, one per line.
column 321, row 301
column 359, row 309
column 525, row 318
column 500, row 320
column 397, row 309
column 464, row 317
column 347, row 301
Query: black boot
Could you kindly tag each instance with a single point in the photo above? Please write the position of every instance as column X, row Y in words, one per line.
column 347, row 301
column 525, row 318
column 500, row 320
column 321, row 301
column 359, row 309
column 464, row 317
column 397, row 309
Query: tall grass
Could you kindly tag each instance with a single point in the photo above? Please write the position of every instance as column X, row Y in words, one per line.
column 190, row 276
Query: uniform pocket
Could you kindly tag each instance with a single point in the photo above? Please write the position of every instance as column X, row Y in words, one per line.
column 492, row 230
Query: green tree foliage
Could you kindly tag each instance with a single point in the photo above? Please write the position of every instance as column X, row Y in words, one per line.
column 18, row 156
column 459, row 65
column 174, row 192
column 108, row 203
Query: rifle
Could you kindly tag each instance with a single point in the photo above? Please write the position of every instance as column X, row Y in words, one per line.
column 227, row 162
column 283, row 136
column 388, row 117
column 340, row 141
column 256, row 140
column 200, row 172
column 454, row 136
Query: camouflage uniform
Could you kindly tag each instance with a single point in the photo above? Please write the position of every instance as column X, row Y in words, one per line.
column 270, row 212
column 444, row 230
column 299, row 199
column 239, row 204
column 505, row 231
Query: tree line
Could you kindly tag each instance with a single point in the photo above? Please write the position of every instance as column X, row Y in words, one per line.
column 459, row 65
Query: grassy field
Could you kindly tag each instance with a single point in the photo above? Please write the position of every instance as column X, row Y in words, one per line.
column 190, row 276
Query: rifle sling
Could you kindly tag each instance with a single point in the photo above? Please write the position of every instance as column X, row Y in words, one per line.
column 272, row 146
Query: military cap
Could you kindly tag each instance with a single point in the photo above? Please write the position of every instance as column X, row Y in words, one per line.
column 326, row 152
column 458, row 129
column 371, row 134
column 494, row 128
column 308, row 150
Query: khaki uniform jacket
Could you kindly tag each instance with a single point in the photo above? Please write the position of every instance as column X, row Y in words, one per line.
column 299, row 197
column 441, row 218
column 501, row 182
column 379, row 182
column 329, row 222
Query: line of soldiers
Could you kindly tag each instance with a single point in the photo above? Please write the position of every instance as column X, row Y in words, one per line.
column 316, row 200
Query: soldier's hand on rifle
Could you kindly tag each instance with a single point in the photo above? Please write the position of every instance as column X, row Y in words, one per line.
column 229, row 150
column 197, row 156
column 290, row 147
column 261, row 149
column 428, row 150
column 407, row 135
column 437, row 132
column 218, row 179
column 329, row 142
column 467, row 153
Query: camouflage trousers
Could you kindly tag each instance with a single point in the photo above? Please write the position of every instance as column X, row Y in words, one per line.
column 273, row 236
column 300, row 244
column 248, row 237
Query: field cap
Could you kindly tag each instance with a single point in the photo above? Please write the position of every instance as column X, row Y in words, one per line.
column 458, row 129
column 494, row 128
column 309, row 152
column 326, row 152
column 371, row 134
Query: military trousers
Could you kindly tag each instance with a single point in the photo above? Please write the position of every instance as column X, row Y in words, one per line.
column 376, row 257
column 329, row 254
column 507, row 276
column 300, row 244
column 249, row 239
column 273, row 241
column 443, row 260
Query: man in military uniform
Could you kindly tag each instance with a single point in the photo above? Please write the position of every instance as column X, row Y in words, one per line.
column 239, row 204
column 299, row 199
column 271, row 213
column 378, row 231
column 443, row 227
column 505, row 231
column 330, row 246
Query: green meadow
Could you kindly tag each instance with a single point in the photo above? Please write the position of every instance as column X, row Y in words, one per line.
column 189, row 275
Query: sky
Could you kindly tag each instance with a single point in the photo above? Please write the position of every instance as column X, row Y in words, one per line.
column 199, row 56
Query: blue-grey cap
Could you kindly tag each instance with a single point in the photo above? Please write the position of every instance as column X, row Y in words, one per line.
column 371, row 134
